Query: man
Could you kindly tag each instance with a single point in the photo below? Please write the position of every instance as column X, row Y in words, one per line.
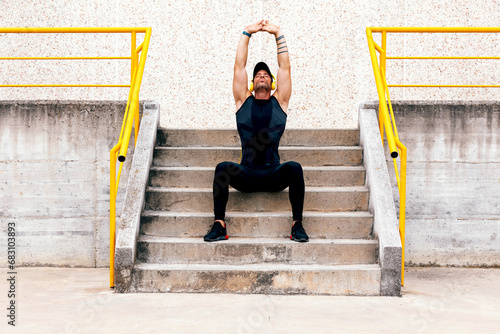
column 261, row 121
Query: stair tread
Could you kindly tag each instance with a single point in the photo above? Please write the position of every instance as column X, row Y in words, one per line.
column 235, row 130
column 314, row 168
column 161, row 213
column 244, row 240
column 310, row 189
column 254, row 266
column 237, row 148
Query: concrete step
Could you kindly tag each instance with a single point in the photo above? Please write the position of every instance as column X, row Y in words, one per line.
column 230, row 137
column 266, row 278
column 201, row 199
column 203, row 177
column 318, row 225
column 256, row 250
column 211, row 156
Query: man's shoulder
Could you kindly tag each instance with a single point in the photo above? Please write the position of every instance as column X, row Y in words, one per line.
column 248, row 99
column 280, row 104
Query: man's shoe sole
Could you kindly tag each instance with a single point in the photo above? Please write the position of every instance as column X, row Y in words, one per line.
column 218, row 238
column 298, row 240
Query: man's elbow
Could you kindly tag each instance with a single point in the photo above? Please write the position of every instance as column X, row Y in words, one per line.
column 238, row 66
column 285, row 66
column 285, row 69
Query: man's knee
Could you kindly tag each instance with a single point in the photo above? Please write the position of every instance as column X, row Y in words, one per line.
column 224, row 172
column 295, row 168
column 222, row 167
column 229, row 167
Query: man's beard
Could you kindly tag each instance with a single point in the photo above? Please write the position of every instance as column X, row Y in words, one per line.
column 262, row 86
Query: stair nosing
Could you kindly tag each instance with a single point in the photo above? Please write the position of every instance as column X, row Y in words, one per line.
column 256, row 266
column 236, row 130
column 310, row 168
column 262, row 241
column 284, row 148
column 361, row 189
column 333, row 214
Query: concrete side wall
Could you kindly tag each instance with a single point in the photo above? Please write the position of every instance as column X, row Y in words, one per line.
column 385, row 225
column 133, row 205
column 189, row 70
column 453, row 197
column 54, row 180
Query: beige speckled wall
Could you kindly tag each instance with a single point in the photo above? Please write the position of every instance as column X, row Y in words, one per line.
column 190, row 61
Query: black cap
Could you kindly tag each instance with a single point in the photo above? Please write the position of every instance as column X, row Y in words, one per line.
column 262, row 66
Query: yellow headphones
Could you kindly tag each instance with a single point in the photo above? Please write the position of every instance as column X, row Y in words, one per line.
column 273, row 84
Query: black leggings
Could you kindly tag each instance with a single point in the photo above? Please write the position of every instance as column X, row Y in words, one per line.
column 247, row 179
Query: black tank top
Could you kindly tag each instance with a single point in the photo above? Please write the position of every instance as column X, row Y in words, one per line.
column 260, row 126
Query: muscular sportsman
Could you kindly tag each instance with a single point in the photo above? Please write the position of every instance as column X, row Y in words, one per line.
column 261, row 120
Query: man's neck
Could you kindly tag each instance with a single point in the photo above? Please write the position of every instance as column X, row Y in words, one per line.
column 263, row 95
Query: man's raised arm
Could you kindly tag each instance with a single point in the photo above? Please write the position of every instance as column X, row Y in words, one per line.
column 240, row 79
column 283, row 78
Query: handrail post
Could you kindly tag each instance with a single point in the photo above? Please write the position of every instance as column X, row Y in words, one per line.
column 402, row 209
column 112, row 212
column 136, row 123
column 133, row 56
column 383, row 54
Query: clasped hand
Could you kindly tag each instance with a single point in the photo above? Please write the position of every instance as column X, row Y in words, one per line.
column 262, row 25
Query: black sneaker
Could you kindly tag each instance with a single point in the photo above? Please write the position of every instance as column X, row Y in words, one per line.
column 298, row 233
column 216, row 232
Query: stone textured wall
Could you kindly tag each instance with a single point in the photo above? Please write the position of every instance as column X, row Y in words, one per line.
column 190, row 61
column 54, row 180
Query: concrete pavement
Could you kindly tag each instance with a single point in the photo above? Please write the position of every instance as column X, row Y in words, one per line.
column 435, row 300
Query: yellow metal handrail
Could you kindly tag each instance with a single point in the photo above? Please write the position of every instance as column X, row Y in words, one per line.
column 131, row 118
column 386, row 114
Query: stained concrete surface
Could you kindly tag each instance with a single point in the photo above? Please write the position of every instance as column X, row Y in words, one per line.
column 434, row 300
column 54, row 179
column 452, row 200
column 453, row 174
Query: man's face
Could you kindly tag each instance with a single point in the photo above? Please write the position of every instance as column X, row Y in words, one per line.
column 262, row 81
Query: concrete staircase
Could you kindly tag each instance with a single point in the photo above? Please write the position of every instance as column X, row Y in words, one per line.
column 341, row 257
